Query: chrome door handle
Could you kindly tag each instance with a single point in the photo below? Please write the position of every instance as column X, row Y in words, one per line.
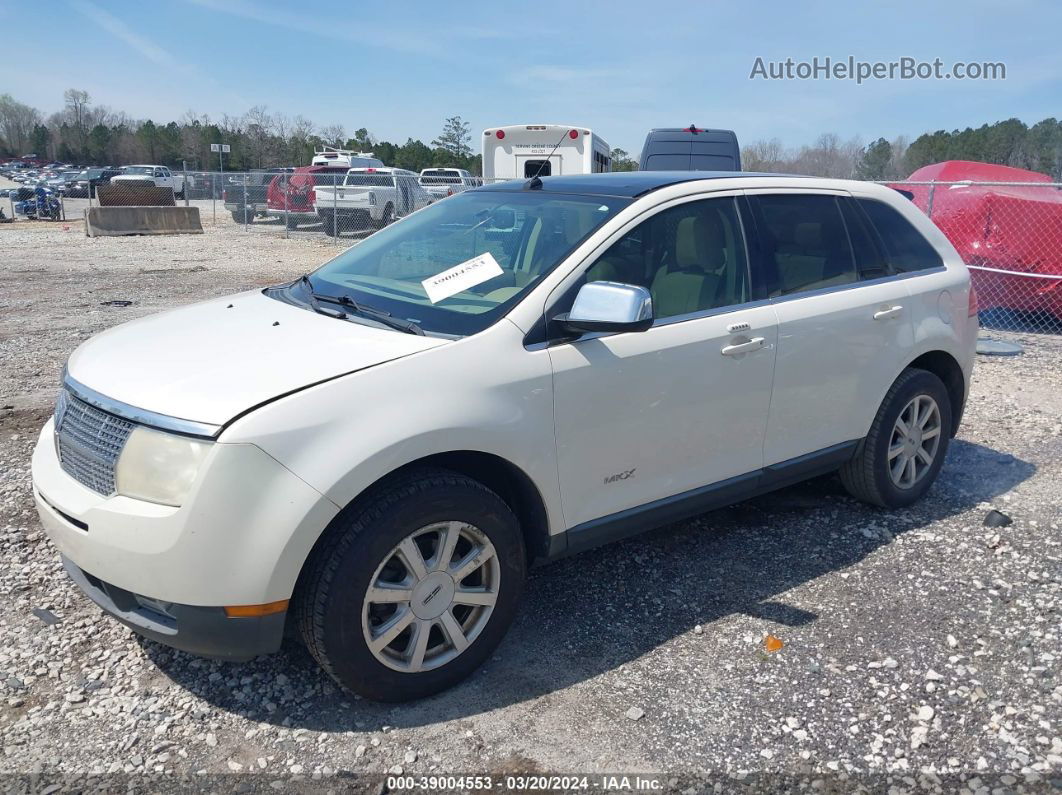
column 753, row 344
column 885, row 314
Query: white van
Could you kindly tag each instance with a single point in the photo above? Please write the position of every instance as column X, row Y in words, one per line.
column 523, row 151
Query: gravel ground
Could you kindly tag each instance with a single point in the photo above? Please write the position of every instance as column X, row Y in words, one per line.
column 920, row 649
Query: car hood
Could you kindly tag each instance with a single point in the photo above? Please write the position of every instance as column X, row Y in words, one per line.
column 210, row 362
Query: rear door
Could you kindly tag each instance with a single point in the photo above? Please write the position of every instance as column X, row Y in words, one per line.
column 844, row 325
column 668, row 151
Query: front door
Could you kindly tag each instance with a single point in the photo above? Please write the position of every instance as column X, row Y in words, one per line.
column 641, row 417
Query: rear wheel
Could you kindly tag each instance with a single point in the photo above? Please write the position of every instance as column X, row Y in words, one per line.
column 411, row 591
column 388, row 216
column 290, row 222
column 900, row 458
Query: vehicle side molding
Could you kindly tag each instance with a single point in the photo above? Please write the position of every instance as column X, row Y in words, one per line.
column 679, row 507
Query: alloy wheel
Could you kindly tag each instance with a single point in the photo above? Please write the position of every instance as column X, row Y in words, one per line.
column 915, row 441
column 431, row 597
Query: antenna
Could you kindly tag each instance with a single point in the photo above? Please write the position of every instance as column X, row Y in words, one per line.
column 535, row 183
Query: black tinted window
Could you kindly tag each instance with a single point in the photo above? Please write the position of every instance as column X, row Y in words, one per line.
column 905, row 248
column 804, row 241
column 870, row 261
column 664, row 162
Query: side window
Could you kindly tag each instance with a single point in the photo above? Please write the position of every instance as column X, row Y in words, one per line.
column 691, row 257
column 870, row 260
column 804, row 241
column 905, row 248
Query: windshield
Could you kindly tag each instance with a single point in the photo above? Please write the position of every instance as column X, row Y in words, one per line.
column 455, row 267
column 138, row 170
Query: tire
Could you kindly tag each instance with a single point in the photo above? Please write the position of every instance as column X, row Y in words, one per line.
column 291, row 223
column 335, row 616
column 869, row 475
column 388, row 216
column 328, row 224
column 237, row 216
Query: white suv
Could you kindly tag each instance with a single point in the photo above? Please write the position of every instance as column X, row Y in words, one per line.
column 374, row 454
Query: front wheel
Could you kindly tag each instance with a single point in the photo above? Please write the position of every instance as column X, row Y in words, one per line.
column 902, row 455
column 411, row 591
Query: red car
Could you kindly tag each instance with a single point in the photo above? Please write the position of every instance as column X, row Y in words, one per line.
column 1010, row 235
column 290, row 196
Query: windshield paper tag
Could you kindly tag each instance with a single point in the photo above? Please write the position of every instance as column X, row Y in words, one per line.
column 461, row 277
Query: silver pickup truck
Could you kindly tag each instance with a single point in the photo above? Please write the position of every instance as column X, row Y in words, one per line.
column 443, row 182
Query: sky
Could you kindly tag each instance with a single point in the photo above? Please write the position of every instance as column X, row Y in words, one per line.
column 618, row 67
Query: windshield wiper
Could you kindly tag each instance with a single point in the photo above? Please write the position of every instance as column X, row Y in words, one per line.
column 315, row 306
column 379, row 315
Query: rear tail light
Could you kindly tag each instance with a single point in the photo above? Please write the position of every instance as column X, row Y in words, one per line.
column 974, row 307
column 449, row 191
column 573, row 134
column 500, row 134
column 224, row 195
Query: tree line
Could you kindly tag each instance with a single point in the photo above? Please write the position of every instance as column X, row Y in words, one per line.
column 1008, row 143
column 90, row 134
column 84, row 133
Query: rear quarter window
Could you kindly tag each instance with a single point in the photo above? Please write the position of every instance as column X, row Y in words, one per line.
column 906, row 251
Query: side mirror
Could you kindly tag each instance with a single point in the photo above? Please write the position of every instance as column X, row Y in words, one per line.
column 609, row 306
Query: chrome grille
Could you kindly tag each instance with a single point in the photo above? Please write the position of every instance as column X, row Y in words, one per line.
column 89, row 442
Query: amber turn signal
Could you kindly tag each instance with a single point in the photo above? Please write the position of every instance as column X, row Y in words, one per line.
column 250, row 611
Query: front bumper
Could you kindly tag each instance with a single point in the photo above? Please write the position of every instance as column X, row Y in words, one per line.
column 301, row 215
column 240, row 538
column 206, row 631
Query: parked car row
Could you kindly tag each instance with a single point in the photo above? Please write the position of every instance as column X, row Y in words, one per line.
column 53, row 177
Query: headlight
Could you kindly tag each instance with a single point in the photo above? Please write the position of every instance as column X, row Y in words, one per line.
column 159, row 467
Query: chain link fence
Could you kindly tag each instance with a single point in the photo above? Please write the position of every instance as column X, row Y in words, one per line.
column 1009, row 234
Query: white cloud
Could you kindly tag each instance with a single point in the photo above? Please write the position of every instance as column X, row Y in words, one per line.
column 117, row 28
